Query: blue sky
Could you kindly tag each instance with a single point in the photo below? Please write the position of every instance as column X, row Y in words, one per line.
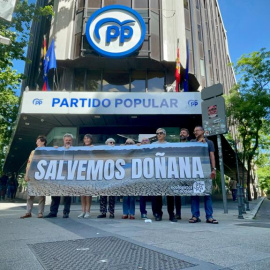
column 246, row 22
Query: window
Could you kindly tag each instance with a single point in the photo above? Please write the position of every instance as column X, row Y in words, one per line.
column 186, row 4
column 155, row 81
column 198, row 4
column 94, row 3
column 93, row 81
column 79, row 75
column 199, row 32
column 202, row 67
column 115, row 82
column 117, row 2
column 140, row 4
column 210, row 56
column 138, row 79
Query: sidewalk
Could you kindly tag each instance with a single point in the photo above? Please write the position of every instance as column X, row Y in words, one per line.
column 133, row 244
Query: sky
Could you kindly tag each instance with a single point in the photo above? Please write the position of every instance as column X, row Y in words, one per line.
column 246, row 22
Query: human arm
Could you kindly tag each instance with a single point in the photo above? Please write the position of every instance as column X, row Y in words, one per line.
column 213, row 165
column 26, row 178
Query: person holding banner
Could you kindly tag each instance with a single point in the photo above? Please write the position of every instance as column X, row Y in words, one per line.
column 157, row 200
column 195, row 200
column 103, row 199
column 86, row 201
column 129, row 201
column 68, row 141
column 143, row 198
column 40, row 142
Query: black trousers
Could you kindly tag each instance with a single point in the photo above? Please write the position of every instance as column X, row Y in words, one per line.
column 55, row 204
column 157, row 205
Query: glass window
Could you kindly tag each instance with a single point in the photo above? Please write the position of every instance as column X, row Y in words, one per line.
column 197, row 4
column 79, row 76
column 155, row 81
column 115, row 82
column 138, row 79
column 199, row 32
column 202, row 67
column 117, row 2
column 80, row 4
column 140, row 4
column 93, row 81
column 186, row 4
column 94, row 3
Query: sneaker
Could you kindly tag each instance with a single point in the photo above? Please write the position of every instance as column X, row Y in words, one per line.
column 111, row 216
column 143, row 216
column 177, row 216
column 87, row 215
column 173, row 219
column 50, row 215
column 131, row 217
column 81, row 215
column 65, row 215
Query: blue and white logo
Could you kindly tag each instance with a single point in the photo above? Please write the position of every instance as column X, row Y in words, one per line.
column 192, row 103
column 115, row 31
column 37, row 101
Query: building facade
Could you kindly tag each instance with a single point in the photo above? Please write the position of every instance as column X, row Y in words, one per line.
column 146, row 74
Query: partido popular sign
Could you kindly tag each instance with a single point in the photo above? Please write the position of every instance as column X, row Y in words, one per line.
column 156, row 169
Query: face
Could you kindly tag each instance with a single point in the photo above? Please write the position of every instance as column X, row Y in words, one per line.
column 111, row 143
column 67, row 141
column 145, row 141
column 160, row 135
column 183, row 134
column 87, row 141
column 212, row 111
column 39, row 143
column 129, row 142
column 198, row 132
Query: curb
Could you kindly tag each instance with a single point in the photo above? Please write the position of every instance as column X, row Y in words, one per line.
column 254, row 211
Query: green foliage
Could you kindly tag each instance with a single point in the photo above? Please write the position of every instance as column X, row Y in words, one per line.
column 18, row 32
column 263, row 163
column 248, row 104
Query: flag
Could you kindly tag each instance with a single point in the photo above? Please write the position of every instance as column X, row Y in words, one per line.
column 48, row 63
column 177, row 72
column 186, row 73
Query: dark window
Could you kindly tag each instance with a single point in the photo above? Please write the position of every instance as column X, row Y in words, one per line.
column 199, row 32
column 79, row 76
column 155, row 81
column 186, row 4
column 115, row 82
column 138, row 79
column 77, row 45
column 210, row 56
column 93, row 81
column 80, row 4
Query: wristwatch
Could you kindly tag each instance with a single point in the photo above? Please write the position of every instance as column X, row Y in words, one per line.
column 214, row 169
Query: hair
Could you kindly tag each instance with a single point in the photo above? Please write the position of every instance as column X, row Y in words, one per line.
column 109, row 140
column 42, row 138
column 162, row 129
column 199, row 127
column 90, row 137
column 130, row 140
column 68, row 135
column 185, row 130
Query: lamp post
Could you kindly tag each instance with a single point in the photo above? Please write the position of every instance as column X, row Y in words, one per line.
column 239, row 190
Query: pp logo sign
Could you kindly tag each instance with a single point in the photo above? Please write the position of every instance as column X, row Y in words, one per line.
column 115, row 31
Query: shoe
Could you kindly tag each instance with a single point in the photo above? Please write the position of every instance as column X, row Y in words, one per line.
column 81, row 215
column 125, row 217
column 50, row 215
column 40, row 215
column 177, row 216
column 143, row 216
column 65, row 215
column 158, row 218
column 101, row 216
column 27, row 215
column 212, row 221
column 173, row 219
column 111, row 216
column 87, row 215
column 131, row 217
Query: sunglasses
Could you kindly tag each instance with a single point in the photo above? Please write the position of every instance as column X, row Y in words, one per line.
column 159, row 133
column 128, row 143
column 112, row 142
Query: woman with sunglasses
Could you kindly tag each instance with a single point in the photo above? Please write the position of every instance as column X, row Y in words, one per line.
column 103, row 199
column 86, row 201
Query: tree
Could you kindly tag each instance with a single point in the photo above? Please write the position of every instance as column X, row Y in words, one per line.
column 263, row 163
column 248, row 105
column 18, row 32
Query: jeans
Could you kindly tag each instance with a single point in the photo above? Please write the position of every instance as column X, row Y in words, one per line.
column 178, row 205
column 157, row 206
column 143, row 205
column 55, row 204
column 195, row 206
column 129, row 205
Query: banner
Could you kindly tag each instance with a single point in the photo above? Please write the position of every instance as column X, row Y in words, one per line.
column 147, row 170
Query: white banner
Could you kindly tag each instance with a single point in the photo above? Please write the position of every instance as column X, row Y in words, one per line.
column 6, row 9
column 106, row 103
